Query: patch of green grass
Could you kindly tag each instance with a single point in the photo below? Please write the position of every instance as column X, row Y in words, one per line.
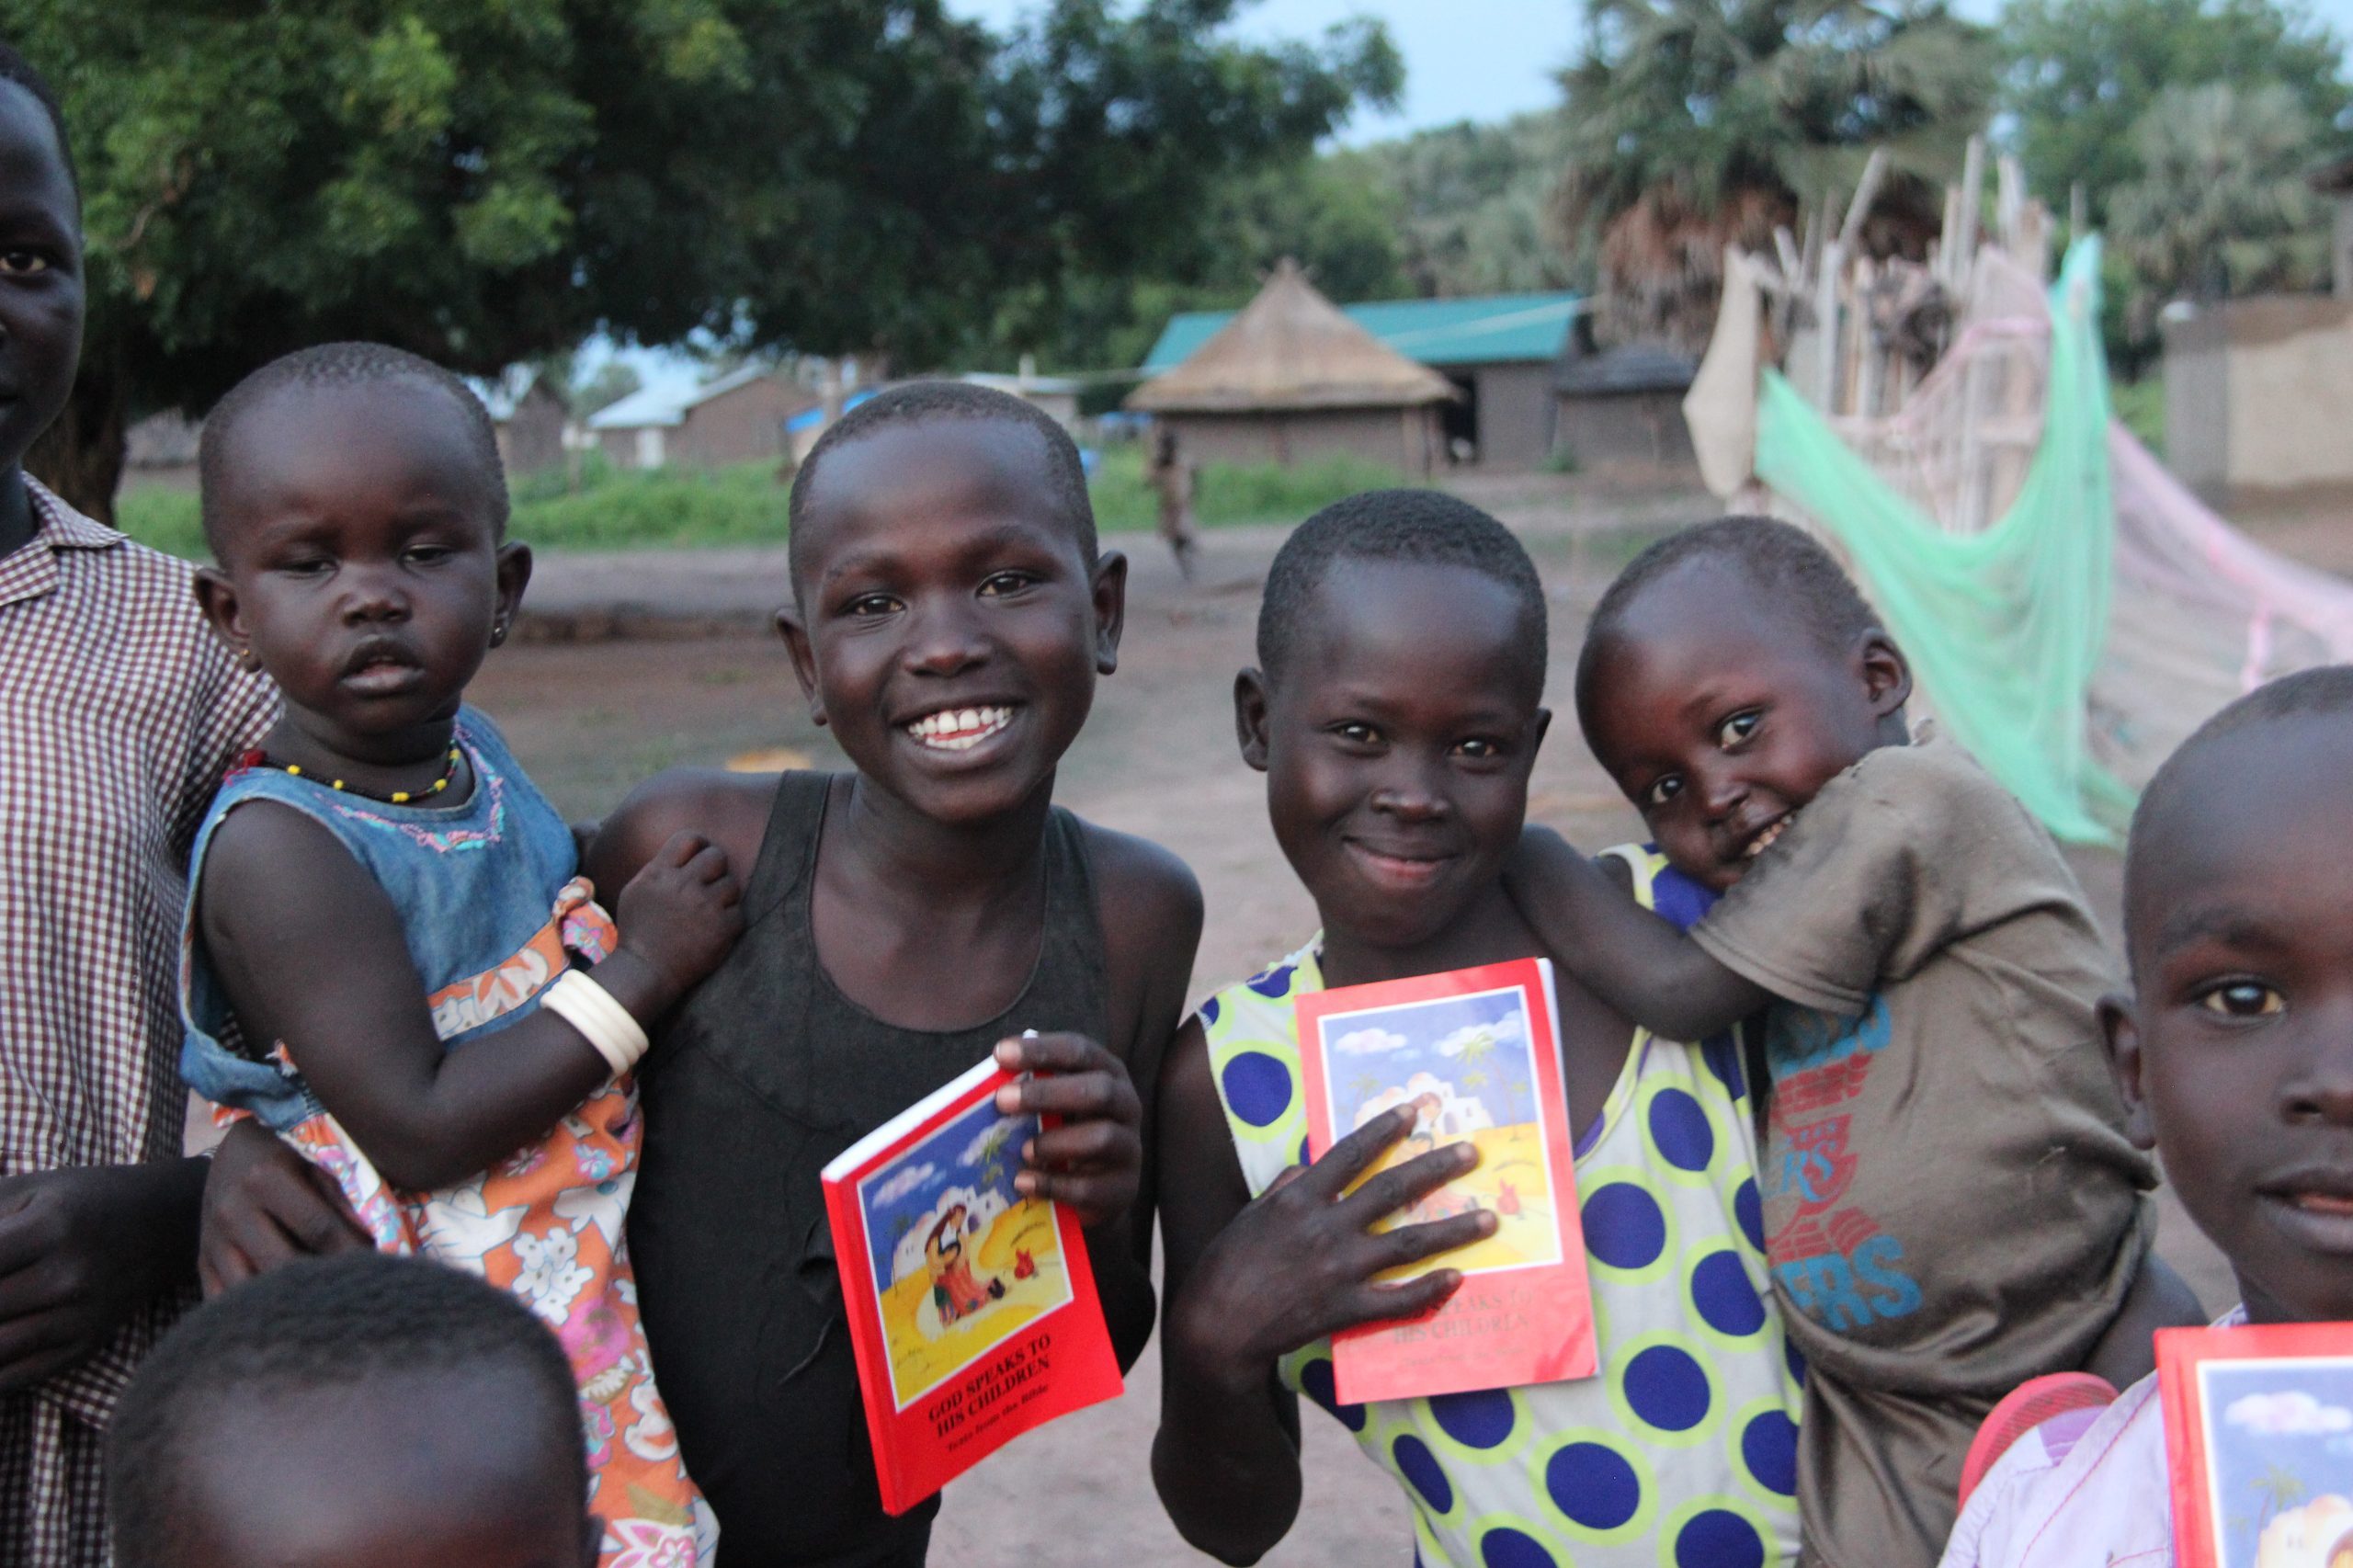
column 163, row 519
column 743, row 504
column 616, row 509
column 2141, row 407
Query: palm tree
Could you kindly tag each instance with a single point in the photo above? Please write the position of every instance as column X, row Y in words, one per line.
column 1693, row 123
column 2223, row 207
column 2280, row 1489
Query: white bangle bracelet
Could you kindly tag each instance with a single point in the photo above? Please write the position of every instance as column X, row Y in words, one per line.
column 605, row 1024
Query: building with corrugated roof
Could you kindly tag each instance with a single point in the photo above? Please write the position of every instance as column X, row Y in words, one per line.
column 1288, row 377
column 1496, row 351
column 740, row 417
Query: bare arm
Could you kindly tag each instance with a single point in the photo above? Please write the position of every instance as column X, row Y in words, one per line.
column 311, row 952
column 1626, row 955
column 1149, row 907
column 1249, row 1281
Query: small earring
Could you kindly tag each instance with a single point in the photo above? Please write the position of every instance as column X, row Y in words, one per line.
column 498, row 632
column 247, row 662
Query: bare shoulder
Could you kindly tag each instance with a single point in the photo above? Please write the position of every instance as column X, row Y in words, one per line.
column 1147, row 895
column 730, row 809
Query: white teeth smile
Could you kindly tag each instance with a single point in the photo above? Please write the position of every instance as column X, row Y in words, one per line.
column 958, row 729
column 1764, row 841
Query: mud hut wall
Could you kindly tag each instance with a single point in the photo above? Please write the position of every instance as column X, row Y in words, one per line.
column 1516, row 413
column 2290, row 384
column 2198, row 399
column 744, row 423
column 1626, row 430
column 531, row 439
column 634, row 445
column 1399, row 439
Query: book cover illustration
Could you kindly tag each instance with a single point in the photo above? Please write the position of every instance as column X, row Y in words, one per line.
column 972, row 1308
column 1474, row 1053
column 2259, row 1444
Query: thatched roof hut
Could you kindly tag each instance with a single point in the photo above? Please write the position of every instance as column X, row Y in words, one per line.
column 1291, row 378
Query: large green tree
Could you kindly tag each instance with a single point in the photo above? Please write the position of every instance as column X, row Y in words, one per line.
column 1694, row 122
column 486, row 183
column 2083, row 75
column 2222, row 205
column 1476, row 203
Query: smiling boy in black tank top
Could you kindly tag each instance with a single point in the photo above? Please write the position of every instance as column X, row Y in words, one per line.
column 950, row 615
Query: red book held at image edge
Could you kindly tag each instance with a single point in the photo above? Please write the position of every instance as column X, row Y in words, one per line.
column 2258, row 1428
column 972, row 1309
column 1476, row 1052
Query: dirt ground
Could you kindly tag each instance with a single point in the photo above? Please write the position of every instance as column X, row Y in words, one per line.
column 1157, row 758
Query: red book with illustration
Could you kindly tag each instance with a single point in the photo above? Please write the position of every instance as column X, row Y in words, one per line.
column 2258, row 1431
column 1476, row 1052
column 972, row 1308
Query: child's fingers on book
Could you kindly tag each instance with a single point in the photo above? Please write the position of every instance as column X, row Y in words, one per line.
column 1344, row 1161
column 1092, row 1095
column 1411, row 1244
column 1405, row 1299
column 1092, row 1195
column 1093, row 1143
column 1062, row 1052
column 1418, row 1178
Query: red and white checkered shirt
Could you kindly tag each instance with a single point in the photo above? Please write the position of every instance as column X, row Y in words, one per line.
column 118, row 712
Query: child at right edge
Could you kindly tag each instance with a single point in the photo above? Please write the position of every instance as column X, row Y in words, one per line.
column 1952, row 1207
column 2232, row 1054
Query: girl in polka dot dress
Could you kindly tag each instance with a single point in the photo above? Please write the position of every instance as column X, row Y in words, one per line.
column 1396, row 716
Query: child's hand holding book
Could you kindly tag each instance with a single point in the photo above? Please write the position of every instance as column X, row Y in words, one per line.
column 1298, row 1264
column 1092, row 1162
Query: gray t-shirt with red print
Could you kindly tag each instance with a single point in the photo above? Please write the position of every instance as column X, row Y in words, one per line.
column 1950, row 1204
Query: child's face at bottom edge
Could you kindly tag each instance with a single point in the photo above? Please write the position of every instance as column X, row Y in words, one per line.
column 1721, row 718
column 360, row 563
column 449, row 1467
column 2234, row 1051
column 1398, row 744
column 948, row 627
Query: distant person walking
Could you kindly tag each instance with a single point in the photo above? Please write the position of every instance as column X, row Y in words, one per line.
column 1171, row 474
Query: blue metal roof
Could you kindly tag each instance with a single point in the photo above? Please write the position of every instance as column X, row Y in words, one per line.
column 1487, row 329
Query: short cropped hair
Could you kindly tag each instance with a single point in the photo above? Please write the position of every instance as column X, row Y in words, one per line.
column 344, row 365
column 2323, row 692
column 1786, row 565
column 918, row 402
column 1414, row 527
column 317, row 1323
column 15, row 67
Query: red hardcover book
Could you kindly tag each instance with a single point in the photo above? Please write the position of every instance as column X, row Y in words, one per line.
column 972, row 1308
column 2259, row 1443
column 1476, row 1051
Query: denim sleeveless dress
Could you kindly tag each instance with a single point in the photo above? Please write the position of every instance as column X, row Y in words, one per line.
column 492, row 912
column 764, row 1074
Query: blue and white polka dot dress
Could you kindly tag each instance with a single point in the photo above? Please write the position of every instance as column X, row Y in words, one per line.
column 1682, row 1452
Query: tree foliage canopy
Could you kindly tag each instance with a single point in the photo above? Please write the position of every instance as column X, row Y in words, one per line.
column 2222, row 206
column 2084, row 74
column 1694, row 122
column 484, row 183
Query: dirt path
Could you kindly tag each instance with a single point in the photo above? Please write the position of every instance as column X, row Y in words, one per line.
column 1157, row 758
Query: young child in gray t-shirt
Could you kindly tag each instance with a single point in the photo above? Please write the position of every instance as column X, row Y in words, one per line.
column 1950, row 1204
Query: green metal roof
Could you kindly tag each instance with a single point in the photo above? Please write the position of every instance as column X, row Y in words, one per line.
column 1492, row 328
